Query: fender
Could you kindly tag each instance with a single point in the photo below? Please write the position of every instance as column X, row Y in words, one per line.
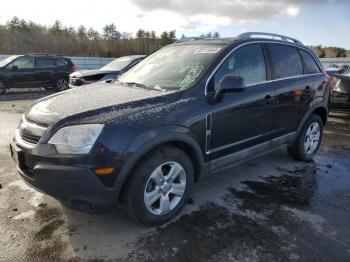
column 58, row 74
column 153, row 138
column 314, row 105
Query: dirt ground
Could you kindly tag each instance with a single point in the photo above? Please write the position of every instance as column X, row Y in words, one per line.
column 268, row 209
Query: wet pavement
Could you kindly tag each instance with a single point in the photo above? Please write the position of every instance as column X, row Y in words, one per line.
column 268, row 209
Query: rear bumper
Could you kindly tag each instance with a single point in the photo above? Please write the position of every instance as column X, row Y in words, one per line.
column 339, row 100
column 74, row 185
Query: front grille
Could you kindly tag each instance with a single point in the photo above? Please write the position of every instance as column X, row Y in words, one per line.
column 39, row 123
column 29, row 132
column 29, row 137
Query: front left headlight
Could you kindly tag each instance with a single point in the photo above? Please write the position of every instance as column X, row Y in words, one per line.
column 77, row 139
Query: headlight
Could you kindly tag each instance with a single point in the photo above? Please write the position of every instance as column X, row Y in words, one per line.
column 77, row 139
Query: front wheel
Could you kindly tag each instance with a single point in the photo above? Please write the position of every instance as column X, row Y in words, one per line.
column 61, row 83
column 2, row 87
column 159, row 187
column 309, row 140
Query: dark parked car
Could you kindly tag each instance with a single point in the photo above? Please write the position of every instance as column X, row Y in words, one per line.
column 35, row 70
column 108, row 72
column 190, row 109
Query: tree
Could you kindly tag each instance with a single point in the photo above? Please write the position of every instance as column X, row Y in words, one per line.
column 82, row 31
column 216, row 35
column 164, row 39
column 92, row 34
column 110, row 32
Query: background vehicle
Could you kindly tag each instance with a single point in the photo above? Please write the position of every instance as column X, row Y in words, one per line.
column 108, row 72
column 35, row 70
column 340, row 93
column 191, row 108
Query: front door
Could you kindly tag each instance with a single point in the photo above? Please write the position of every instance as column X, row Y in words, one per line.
column 243, row 119
column 22, row 72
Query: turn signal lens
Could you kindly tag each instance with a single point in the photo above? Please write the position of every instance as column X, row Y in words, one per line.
column 104, row 171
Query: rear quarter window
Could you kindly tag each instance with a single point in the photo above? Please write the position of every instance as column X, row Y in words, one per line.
column 60, row 62
column 43, row 62
column 285, row 60
column 310, row 63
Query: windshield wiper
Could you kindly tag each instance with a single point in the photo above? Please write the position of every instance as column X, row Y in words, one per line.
column 138, row 85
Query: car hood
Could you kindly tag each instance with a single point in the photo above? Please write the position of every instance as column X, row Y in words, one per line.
column 84, row 73
column 98, row 103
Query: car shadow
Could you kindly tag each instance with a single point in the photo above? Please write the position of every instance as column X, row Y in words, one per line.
column 25, row 94
column 115, row 235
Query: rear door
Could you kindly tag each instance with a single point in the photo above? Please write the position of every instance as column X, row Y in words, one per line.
column 243, row 119
column 294, row 89
column 44, row 67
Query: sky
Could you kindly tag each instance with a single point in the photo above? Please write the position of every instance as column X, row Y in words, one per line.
column 325, row 22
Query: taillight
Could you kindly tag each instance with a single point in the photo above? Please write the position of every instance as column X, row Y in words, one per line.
column 74, row 68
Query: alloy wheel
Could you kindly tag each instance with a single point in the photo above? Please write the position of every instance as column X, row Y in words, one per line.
column 2, row 87
column 312, row 138
column 165, row 188
column 62, row 84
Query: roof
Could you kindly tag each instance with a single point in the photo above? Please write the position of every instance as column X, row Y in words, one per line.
column 245, row 36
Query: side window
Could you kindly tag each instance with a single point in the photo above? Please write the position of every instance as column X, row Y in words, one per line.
column 24, row 62
column 247, row 62
column 285, row 60
column 43, row 62
column 310, row 64
column 60, row 62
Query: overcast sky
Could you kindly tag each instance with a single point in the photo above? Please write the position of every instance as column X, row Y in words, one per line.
column 325, row 22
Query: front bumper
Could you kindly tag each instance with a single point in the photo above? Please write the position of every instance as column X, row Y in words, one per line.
column 75, row 185
column 340, row 100
column 75, row 81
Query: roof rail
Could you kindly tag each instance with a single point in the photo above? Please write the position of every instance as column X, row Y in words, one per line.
column 38, row 54
column 273, row 36
column 187, row 39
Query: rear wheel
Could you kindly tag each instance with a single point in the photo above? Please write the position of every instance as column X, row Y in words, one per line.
column 2, row 87
column 159, row 187
column 61, row 83
column 309, row 140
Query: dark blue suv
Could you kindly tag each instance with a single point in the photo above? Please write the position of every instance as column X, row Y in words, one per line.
column 190, row 109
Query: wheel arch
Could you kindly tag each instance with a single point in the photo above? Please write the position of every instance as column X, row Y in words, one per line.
column 320, row 109
column 182, row 141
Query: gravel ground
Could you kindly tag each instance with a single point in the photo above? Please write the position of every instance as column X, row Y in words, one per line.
column 268, row 209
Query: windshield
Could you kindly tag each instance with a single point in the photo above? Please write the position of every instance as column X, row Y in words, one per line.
column 172, row 67
column 118, row 64
column 8, row 60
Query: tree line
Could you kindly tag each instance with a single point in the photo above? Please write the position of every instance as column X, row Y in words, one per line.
column 324, row 52
column 19, row 36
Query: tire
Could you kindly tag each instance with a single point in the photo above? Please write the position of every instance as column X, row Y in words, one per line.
column 147, row 198
column 2, row 87
column 309, row 139
column 61, row 83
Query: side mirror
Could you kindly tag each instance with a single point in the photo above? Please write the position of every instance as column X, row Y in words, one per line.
column 14, row 68
column 229, row 84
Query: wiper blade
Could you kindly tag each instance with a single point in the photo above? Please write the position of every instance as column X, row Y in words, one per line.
column 138, row 85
